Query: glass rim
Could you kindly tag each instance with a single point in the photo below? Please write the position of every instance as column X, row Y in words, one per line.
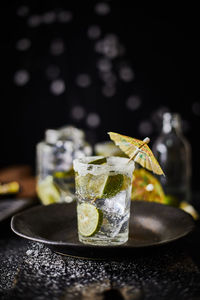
column 115, row 164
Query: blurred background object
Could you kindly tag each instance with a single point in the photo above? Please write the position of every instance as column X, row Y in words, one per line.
column 100, row 66
column 173, row 152
column 55, row 155
column 108, row 149
column 146, row 186
column 24, row 178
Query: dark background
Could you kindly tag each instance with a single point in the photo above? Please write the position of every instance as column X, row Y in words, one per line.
column 53, row 73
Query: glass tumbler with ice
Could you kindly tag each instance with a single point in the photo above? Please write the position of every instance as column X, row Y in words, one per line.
column 103, row 188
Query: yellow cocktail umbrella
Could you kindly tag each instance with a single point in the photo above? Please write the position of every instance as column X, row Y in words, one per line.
column 137, row 150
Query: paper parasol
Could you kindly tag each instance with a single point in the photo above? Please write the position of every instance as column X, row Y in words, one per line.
column 138, row 151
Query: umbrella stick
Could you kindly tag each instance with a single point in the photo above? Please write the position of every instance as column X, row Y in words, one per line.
column 145, row 141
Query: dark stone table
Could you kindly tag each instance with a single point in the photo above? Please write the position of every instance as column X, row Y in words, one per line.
column 30, row 270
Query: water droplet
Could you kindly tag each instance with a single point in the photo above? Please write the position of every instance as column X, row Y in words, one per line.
column 93, row 120
column 83, row 80
column 21, row 77
column 57, row 87
column 133, row 102
column 78, row 112
column 23, row 44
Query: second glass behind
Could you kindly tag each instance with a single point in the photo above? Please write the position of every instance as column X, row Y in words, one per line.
column 103, row 188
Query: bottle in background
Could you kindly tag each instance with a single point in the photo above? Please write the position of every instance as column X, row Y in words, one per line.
column 174, row 155
column 54, row 159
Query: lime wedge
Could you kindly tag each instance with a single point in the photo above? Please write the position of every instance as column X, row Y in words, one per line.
column 104, row 186
column 89, row 219
column 113, row 186
column 99, row 186
column 99, row 161
column 47, row 191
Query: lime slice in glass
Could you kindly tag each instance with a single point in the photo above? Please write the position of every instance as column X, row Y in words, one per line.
column 99, row 161
column 89, row 219
column 104, row 186
column 99, row 186
column 47, row 191
column 112, row 186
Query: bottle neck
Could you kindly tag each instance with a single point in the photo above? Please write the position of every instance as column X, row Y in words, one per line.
column 171, row 123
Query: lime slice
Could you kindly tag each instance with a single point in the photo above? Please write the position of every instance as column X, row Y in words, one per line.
column 89, row 219
column 63, row 174
column 99, row 186
column 112, row 186
column 99, row 161
column 64, row 179
column 47, row 191
column 189, row 209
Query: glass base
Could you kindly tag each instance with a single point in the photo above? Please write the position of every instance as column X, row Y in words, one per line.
column 106, row 241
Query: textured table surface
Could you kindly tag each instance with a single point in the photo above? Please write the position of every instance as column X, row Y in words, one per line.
column 29, row 270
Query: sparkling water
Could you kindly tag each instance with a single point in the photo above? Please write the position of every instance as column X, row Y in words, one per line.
column 114, row 210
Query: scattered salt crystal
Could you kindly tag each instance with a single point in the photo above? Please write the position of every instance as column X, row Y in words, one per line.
column 29, row 252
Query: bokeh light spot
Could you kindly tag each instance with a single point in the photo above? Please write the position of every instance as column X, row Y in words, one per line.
column 104, row 65
column 65, row 16
column 57, row 47
column 108, row 91
column 108, row 77
column 94, row 32
column 102, row 8
column 23, row 44
column 93, row 120
column 21, row 77
column 49, row 17
column 133, row 102
column 145, row 128
column 126, row 73
column 78, row 112
column 34, row 21
column 57, row 87
column 109, row 46
column 83, row 80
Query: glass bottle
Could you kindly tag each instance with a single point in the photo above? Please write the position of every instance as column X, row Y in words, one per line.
column 45, row 160
column 174, row 155
column 54, row 160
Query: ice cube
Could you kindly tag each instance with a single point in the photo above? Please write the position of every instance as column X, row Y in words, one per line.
column 116, row 204
column 118, row 225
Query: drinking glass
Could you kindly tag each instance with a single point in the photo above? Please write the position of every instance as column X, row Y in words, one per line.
column 103, row 189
